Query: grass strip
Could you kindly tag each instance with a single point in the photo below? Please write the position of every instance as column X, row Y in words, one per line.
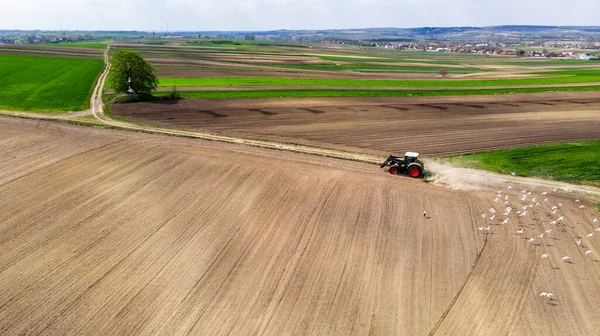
column 265, row 81
column 570, row 162
column 246, row 94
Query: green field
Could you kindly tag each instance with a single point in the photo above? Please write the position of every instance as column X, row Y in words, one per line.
column 95, row 45
column 245, row 94
column 450, row 83
column 374, row 68
column 35, row 83
column 573, row 162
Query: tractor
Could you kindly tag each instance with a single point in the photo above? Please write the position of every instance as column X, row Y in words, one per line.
column 409, row 164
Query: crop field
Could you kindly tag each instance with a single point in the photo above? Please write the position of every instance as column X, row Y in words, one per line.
column 112, row 232
column 54, row 51
column 107, row 232
column 429, row 125
column 39, row 83
column 230, row 70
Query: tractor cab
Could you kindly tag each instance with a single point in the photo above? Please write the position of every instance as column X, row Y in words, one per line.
column 409, row 164
column 410, row 157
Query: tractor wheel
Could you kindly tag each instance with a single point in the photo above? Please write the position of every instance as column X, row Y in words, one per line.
column 415, row 171
column 393, row 170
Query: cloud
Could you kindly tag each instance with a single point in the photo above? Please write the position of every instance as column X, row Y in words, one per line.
column 205, row 15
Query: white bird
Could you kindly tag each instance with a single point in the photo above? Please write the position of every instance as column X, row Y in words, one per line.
column 554, row 207
column 496, row 200
column 524, row 208
column 524, row 197
column 544, row 193
column 505, row 221
column 577, row 201
column 484, row 215
column 544, row 294
column 578, row 241
column 506, row 198
column 541, row 236
column 555, row 189
column 553, row 222
column 512, row 173
column 520, row 231
column 598, row 229
column 492, row 210
column 559, row 204
column 492, row 218
column 554, row 212
column 548, row 231
column 481, row 228
column 591, row 234
column 523, row 214
column 560, row 218
column 509, row 187
column 530, row 240
column 588, row 252
column 529, row 193
column 595, row 220
column 545, row 199
column 565, row 258
column 581, row 206
column 537, row 204
column 545, row 255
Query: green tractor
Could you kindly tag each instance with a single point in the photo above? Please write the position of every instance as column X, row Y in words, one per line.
column 409, row 164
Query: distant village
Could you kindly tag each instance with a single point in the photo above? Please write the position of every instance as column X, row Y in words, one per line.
column 539, row 49
column 582, row 51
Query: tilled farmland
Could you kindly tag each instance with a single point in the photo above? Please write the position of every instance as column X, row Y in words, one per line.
column 428, row 125
column 123, row 233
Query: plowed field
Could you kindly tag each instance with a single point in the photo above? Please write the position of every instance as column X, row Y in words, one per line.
column 126, row 233
column 432, row 125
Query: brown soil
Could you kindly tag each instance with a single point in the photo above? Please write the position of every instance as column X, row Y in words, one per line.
column 138, row 234
column 429, row 125
column 77, row 50
column 47, row 54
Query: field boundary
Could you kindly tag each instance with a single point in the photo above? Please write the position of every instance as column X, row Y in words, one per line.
column 460, row 290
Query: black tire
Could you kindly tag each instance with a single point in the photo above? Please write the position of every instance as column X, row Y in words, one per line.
column 415, row 170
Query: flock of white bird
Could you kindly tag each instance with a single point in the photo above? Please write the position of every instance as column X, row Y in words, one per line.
column 529, row 203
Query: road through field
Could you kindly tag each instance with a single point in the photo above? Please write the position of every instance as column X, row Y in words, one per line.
column 142, row 234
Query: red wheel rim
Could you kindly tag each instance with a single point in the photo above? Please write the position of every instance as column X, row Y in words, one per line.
column 414, row 172
column 393, row 170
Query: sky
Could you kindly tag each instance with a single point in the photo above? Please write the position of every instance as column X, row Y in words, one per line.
column 260, row 15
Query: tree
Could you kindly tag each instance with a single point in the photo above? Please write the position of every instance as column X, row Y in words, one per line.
column 129, row 69
column 444, row 72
